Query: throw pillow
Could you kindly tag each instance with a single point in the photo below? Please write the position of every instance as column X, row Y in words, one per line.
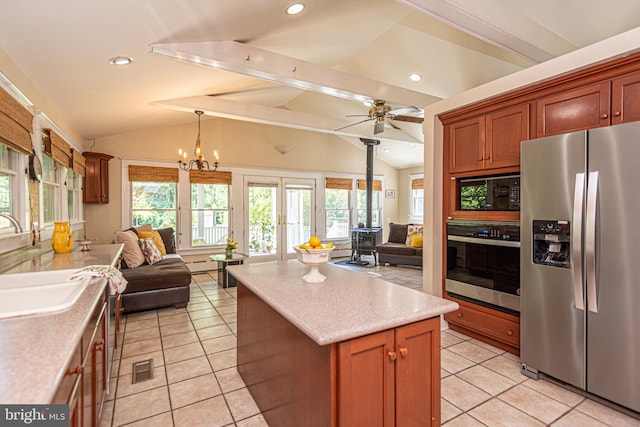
column 144, row 227
column 413, row 230
column 397, row 233
column 416, row 241
column 156, row 239
column 150, row 251
column 131, row 252
column 169, row 239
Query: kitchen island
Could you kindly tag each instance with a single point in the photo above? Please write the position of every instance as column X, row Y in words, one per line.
column 354, row 350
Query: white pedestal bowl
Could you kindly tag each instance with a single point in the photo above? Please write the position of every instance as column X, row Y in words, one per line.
column 313, row 258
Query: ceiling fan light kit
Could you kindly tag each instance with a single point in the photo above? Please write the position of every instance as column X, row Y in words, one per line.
column 199, row 163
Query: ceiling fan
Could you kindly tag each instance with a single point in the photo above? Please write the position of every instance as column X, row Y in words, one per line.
column 380, row 112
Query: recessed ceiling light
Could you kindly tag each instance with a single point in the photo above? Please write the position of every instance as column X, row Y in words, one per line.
column 120, row 60
column 386, row 150
column 416, row 77
column 295, row 9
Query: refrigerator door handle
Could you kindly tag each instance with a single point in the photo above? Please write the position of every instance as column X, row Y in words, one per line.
column 590, row 241
column 576, row 245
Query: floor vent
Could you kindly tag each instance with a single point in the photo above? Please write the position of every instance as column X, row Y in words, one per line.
column 142, row 371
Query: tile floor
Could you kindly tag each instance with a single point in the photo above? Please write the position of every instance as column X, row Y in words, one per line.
column 196, row 383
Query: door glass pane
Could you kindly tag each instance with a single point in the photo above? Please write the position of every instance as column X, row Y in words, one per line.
column 298, row 215
column 262, row 219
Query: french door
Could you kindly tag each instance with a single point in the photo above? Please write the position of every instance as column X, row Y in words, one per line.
column 279, row 214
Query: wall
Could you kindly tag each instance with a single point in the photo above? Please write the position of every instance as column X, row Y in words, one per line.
column 611, row 48
column 241, row 145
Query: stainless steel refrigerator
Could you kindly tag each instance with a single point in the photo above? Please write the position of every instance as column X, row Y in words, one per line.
column 580, row 260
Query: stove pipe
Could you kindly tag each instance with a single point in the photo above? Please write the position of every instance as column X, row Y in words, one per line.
column 370, row 143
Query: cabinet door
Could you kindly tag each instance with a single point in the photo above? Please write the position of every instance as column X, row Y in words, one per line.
column 366, row 381
column 583, row 108
column 104, row 180
column 625, row 98
column 100, row 367
column 70, row 389
column 505, row 130
column 92, row 183
column 418, row 374
column 466, row 145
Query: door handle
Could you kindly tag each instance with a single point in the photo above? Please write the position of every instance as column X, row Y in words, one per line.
column 576, row 244
column 590, row 241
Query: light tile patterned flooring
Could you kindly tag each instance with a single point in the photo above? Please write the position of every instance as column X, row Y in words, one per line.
column 196, row 382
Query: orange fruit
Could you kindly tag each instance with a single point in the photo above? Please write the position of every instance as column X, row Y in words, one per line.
column 314, row 241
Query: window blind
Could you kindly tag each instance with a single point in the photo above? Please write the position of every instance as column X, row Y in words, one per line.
column 77, row 162
column 417, row 184
column 152, row 174
column 209, row 177
column 16, row 123
column 376, row 185
column 56, row 147
column 339, row 183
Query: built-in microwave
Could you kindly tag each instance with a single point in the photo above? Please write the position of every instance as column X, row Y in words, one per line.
column 497, row 193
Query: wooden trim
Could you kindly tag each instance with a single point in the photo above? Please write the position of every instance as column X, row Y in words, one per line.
column 339, row 183
column 377, row 184
column 209, row 177
column 152, row 174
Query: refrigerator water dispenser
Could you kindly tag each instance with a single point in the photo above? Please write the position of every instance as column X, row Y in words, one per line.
column 551, row 243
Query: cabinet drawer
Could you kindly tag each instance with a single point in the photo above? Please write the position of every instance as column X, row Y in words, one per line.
column 498, row 328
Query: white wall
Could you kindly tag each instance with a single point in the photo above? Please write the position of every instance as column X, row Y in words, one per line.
column 617, row 46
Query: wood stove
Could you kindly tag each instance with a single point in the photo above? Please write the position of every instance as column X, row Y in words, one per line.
column 363, row 242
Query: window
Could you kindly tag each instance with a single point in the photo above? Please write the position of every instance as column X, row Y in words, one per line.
column 209, row 214
column 153, row 196
column 376, row 203
column 50, row 190
column 8, row 176
column 417, row 197
column 74, row 186
column 338, row 207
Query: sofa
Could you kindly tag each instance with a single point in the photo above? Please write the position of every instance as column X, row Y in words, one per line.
column 157, row 277
column 403, row 246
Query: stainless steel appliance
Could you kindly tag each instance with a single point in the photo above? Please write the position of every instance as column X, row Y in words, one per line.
column 495, row 193
column 580, row 267
column 483, row 263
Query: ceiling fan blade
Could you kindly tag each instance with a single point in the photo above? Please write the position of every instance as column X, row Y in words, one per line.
column 357, row 115
column 353, row 124
column 393, row 125
column 411, row 119
column 378, row 128
column 406, row 110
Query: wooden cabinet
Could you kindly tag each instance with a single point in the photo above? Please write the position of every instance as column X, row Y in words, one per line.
column 490, row 141
column 498, row 328
column 96, row 180
column 389, row 378
column 603, row 103
column 83, row 387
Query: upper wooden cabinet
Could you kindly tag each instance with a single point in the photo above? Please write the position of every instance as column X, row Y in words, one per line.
column 96, row 179
column 491, row 141
column 604, row 103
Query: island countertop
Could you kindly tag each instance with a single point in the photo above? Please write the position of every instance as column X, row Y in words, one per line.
column 37, row 348
column 347, row 305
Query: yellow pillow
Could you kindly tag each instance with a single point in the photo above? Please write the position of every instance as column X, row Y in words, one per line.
column 416, row 241
column 156, row 239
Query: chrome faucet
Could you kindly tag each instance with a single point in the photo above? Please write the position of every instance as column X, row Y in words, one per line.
column 13, row 221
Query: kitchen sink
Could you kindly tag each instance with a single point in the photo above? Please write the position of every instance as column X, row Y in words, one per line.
column 41, row 292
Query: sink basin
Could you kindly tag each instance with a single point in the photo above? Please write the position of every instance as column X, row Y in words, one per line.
column 35, row 293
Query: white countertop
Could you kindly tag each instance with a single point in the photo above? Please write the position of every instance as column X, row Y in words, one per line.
column 347, row 305
column 37, row 348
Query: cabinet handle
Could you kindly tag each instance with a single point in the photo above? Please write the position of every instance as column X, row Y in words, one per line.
column 604, row 116
column 404, row 351
column 75, row 371
column 99, row 345
column 616, row 114
column 459, row 315
column 392, row 355
column 509, row 332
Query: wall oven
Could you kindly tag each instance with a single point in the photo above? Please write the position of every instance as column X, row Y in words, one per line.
column 483, row 263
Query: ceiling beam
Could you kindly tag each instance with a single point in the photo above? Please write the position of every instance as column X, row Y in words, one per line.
column 495, row 22
column 218, row 107
column 255, row 62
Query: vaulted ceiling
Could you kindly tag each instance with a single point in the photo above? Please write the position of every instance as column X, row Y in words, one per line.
column 248, row 60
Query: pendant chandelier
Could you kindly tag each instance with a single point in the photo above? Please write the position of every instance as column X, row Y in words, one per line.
column 199, row 162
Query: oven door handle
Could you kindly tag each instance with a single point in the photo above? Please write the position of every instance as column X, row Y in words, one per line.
column 489, row 242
